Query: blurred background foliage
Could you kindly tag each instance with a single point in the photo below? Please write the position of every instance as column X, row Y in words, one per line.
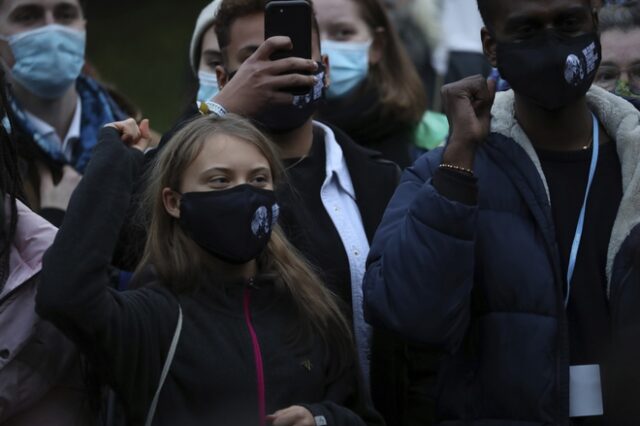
column 141, row 48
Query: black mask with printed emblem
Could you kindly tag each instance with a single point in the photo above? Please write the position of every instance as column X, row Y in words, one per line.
column 550, row 70
column 233, row 224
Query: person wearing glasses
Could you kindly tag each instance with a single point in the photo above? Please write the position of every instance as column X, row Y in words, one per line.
column 620, row 69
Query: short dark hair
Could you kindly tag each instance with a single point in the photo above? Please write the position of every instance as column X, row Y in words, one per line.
column 229, row 12
column 623, row 17
column 232, row 10
column 486, row 11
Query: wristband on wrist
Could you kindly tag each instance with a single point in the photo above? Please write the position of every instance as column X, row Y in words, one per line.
column 457, row 168
column 211, row 107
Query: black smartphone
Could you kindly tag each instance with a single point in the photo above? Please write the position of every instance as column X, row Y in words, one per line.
column 293, row 19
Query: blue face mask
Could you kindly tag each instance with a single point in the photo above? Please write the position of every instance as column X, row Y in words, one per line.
column 349, row 65
column 208, row 86
column 48, row 59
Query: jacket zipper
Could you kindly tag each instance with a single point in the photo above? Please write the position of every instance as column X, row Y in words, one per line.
column 257, row 354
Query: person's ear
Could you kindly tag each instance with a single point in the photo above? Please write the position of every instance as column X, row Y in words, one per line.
column 376, row 51
column 327, row 71
column 171, row 201
column 489, row 47
column 222, row 76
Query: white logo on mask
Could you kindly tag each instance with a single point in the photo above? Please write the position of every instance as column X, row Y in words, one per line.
column 260, row 225
column 573, row 72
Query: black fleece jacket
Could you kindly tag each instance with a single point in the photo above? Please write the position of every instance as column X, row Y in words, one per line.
column 213, row 378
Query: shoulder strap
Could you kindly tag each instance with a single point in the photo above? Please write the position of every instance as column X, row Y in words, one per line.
column 165, row 369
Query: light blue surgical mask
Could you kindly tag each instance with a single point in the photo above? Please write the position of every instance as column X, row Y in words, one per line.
column 48, row 59
column 208, row 86
column 349, row 65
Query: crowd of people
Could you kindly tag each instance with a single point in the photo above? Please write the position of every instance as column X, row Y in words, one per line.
column 370, row 248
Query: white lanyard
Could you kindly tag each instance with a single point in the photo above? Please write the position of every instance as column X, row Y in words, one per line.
column 577, row 239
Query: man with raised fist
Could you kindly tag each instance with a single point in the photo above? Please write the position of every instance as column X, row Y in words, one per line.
column 515, row 248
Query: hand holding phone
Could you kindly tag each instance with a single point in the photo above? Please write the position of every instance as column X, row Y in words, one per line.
column 261, row 82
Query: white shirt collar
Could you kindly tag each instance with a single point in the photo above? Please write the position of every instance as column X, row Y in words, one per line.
column 47, row 131
column 336, row 163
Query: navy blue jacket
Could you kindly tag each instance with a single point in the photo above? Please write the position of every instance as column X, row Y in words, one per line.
column 484, row 282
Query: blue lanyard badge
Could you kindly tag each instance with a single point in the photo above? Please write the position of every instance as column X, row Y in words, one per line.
column 580, row 228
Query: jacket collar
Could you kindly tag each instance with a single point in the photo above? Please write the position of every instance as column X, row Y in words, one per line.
column 622, row 122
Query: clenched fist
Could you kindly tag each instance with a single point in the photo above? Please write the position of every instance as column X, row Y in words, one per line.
column 467, row 104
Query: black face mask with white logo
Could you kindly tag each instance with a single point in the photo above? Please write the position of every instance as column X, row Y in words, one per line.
column 234, row 224
column 550, row 70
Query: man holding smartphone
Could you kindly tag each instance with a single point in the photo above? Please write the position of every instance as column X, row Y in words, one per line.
column 515, row 248
column 337, row 190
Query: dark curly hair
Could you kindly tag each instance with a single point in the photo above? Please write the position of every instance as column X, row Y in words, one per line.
column 10, row 182
column 486, row 8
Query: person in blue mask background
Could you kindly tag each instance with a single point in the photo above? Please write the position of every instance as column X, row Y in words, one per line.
column 204, row 52
column 377, row 98
column 58, row 109
column 204, row 57
column 376, row 95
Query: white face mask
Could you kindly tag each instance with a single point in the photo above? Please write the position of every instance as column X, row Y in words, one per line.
column 208, row 86
column 349, row 65
column 48, row 59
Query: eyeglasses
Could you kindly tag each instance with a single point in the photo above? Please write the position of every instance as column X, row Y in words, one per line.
column 608, row 76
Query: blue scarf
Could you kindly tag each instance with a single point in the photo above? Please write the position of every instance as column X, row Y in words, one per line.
column 98, row 109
